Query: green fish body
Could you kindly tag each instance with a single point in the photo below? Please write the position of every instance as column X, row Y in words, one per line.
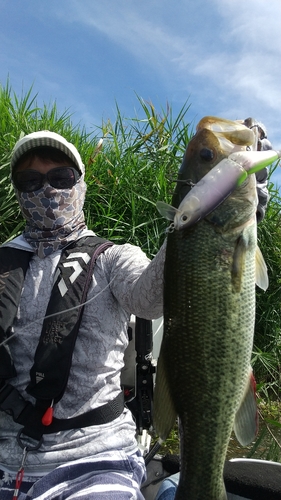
column 203, row 372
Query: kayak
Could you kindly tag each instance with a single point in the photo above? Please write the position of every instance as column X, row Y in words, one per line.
column 252, row 479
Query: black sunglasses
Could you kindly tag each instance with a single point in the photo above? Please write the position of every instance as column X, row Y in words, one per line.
column 32, row 180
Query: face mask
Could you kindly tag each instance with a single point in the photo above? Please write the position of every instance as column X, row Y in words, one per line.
column 54, row 216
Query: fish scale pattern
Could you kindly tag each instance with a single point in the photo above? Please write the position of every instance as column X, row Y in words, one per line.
column 209, row 315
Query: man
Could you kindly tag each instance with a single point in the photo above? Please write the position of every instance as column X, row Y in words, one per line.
column 99, row 461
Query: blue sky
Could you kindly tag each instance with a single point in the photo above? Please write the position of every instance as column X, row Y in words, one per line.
column 223, row 56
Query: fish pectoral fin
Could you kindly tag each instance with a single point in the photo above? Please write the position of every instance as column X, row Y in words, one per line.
column 167, row 211
column 238, row 264
column 164, row 413
column 261, row 271
column 246, row 418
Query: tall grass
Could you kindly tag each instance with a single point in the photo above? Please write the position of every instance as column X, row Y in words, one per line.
column 130, row 173
column 130, row 164
column 134, row 167
column 20, row 116
column 267, row 354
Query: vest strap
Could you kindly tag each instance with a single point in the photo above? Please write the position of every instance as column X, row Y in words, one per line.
column 13, row 266
column 53, row 357
column 28, row 415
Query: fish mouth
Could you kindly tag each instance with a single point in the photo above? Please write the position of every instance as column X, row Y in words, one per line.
column 233, row 136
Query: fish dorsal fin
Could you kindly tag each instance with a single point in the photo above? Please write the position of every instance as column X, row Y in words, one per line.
column 167, row 211
column 164, row 413
column 261, row 271
column 246, row 418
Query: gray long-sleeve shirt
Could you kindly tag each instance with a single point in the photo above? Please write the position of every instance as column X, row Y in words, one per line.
column 124, row 282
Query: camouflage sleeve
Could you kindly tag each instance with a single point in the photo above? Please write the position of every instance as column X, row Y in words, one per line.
column 263, row 194
column 261, row 176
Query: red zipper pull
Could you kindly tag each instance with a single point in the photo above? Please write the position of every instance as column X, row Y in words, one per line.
column 48, row 415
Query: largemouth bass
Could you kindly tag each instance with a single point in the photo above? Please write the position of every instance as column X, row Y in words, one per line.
column 204, row 374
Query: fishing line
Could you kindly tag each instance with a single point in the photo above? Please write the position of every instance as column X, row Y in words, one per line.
column 170, row 228
column 187, row 182
column 61, row 312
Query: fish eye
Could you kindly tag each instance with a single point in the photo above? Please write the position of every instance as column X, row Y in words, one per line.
column 206, row 154
column 184, row 218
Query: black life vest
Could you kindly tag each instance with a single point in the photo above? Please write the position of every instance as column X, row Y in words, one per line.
column 50, row 371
